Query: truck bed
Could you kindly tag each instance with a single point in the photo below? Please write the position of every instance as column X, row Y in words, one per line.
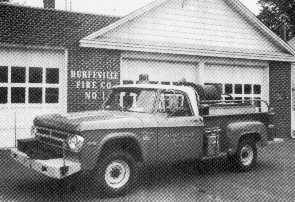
column 220, row 114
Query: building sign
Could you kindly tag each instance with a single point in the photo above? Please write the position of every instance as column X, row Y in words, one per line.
column 91, row 75
column 94, row 82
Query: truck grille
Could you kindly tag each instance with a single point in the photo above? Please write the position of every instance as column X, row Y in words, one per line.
column 51, row 137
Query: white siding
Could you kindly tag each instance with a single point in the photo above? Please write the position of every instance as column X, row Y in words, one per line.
column 199, row 22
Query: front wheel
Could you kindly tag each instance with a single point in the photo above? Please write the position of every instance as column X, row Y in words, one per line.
column 116, row 173
column 246, row 156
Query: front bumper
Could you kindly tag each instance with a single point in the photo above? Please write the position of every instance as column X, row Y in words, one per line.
column 54, row 168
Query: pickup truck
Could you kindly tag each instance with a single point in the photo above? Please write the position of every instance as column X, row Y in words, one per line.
column 146, row 124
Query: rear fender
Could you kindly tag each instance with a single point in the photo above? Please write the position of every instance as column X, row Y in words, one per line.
column 254, row 130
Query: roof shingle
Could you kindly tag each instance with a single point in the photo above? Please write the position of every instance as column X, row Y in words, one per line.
column 42, row 27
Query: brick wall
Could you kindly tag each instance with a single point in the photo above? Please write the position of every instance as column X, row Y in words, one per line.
column 280, row 96
column 91, row 72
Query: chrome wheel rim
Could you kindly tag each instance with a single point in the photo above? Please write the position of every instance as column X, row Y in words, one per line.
column 117, row 174
column 247, row 155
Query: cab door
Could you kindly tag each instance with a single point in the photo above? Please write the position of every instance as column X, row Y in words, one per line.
column 180, row 135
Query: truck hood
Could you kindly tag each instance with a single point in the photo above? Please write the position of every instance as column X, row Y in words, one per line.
column 90, row 120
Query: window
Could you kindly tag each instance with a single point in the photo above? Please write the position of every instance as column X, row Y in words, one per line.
column 228, row 88
column 3, row 74
column 35, row 95
column 257, row 89
column 175, row 103
column 238, row 89
column 247, row 92
column 51, row 95
column 29, row 85
column 3, row 95
column 35, row 75
column 247, row 89
column 18, row 95
column 18, row 74
column 134, row 100
column 52, row 75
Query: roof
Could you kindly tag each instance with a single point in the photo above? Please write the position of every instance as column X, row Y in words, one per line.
column 45, row 27
column 234, row 4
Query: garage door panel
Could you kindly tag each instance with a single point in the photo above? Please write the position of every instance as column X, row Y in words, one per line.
column 233, row 74
column 158, row 70
column 32, row 84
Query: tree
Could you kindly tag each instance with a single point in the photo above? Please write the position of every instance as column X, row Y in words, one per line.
column 275, row 13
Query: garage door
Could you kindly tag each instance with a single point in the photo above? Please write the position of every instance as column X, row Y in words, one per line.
column 241, row 82
column 30, row 85
column 158, row 71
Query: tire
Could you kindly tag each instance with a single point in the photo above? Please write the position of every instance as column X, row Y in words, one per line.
column 115, row 174
column 246, row 156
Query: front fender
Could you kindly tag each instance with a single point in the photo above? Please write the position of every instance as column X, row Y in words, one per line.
column 235, row 131
column 90, row 153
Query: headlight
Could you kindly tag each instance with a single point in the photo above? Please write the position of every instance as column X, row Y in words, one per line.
column 33, row 131
column 75, row 143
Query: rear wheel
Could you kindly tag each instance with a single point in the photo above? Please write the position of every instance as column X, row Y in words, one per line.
column 246, row 156
column 115, row 174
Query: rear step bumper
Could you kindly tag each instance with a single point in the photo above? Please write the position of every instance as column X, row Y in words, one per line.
column 54, row 168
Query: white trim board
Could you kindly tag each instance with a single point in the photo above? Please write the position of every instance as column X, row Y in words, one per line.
column 187, row 51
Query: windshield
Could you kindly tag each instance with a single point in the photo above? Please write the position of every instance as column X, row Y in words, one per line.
column 132, row 99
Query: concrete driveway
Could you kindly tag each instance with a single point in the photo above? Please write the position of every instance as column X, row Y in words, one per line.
column 272, row 180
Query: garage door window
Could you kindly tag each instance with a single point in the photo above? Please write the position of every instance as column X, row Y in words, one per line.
column 52, row 75
column 240, row 91
column 51, row 95
column 257, row 89
column 247, row 89
column 228, row 88
column 35, row 74
column 3, row 74
column 29, row 85
column 35, row 95
column 18, row 74
column 18, row 95
column 3, row 95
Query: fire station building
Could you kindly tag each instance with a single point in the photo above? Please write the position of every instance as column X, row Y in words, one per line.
column 61, row 62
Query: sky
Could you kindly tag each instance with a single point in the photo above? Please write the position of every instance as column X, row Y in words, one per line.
column 110, row 7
